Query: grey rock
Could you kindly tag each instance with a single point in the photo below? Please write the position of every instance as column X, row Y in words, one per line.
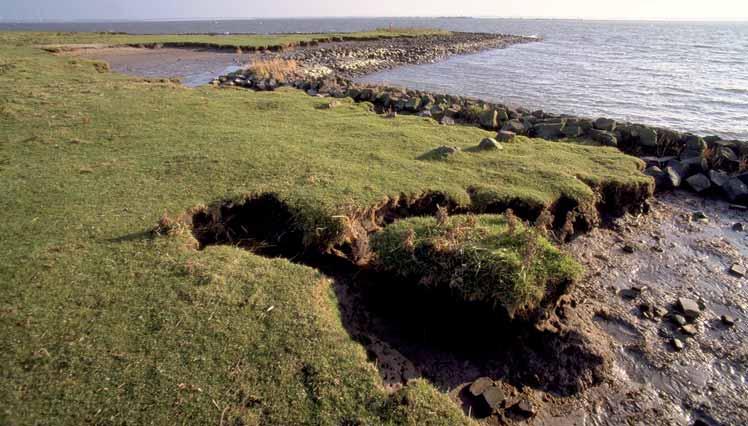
column 682, row 170
column 719, row 179
column 689, row 308
column 489, row 119
column 524, row 408
column 743, row 178
column 736, row 191
column 489, row 144
column 647, row 136
column 572, row 130
column 502, row 115
column 493, row 397
column 677, row 344
column 605, row 124
column 514, row 126
column 505, row 136
column 738, row 270
column 447, row 120
column 694, row 165
column 673, row 178
column 679, row 320
column 738, row 227
column 548, row 130
column 695, row 143
column 603, row 137
column 425, row 113
column 728, row 320
column 689, row 330
column 412, row 104
column 699, row 182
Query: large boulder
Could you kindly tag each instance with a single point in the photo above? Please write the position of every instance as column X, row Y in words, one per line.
column 412, row 104
column 502, row 115
column 726, row 159
column 573, row 130
column 605, row 124
column 699, row 183
column 673, row 178
column 682, row 170
column 636, row 134
column 514, row 126
column 736, row 191
column 603, row 137
column 694, row 165
column 548, row 130
column 718, row 178
column 505, row 136
column 647, row 137
column 489, row 119
column 695, row 143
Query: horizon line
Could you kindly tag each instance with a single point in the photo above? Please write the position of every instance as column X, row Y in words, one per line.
column 203, row 19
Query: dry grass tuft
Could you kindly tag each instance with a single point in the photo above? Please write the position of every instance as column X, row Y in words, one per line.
column 275, row 68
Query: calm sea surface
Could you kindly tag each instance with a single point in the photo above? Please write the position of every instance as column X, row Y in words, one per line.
column 686, row 76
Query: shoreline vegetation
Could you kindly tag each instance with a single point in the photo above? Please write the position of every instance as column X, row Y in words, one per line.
column 187, row 255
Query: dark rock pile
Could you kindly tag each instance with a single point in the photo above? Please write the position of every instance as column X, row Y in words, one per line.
column 355, row 58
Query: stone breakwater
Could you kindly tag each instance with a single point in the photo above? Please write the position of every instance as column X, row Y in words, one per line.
column 706, row 165
column 357, row 58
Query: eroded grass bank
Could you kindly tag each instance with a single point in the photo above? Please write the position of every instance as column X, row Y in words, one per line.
column 102, row 323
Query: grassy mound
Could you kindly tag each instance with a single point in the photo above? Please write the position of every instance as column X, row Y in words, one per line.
column 101, row 323
column 489, row 260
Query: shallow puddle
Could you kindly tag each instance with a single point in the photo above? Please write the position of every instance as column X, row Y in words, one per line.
column 194, row 67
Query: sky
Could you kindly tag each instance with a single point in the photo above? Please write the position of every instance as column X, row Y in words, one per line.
column 31, row 10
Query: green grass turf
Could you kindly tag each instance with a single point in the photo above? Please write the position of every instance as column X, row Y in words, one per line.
column 103, row 324
column 486, row 260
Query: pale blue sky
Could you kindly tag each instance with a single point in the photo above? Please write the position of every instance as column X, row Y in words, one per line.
column 183, row 9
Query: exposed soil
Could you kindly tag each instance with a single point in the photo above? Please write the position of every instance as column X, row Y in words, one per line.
column 597, row 358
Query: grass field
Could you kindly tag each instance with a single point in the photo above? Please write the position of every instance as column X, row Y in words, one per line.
column 217, row 41
column 102, row 323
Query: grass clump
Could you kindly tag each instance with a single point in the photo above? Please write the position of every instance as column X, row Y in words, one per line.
column 276, row 68
column 491, row 260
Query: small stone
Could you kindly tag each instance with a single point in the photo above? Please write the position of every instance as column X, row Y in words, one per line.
column 479, row 386
column 447, row 121
column 489, row 144
column 494, row 397
column 677, row 344
column 659, row 311
column 689, row 330
column 524, row 408
column 679, row 319
column 689, row 308
column 738, row 270
column 738, row 227
column 728, row 320
column 700, row 216
column 629, row 248
column 629, row 293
